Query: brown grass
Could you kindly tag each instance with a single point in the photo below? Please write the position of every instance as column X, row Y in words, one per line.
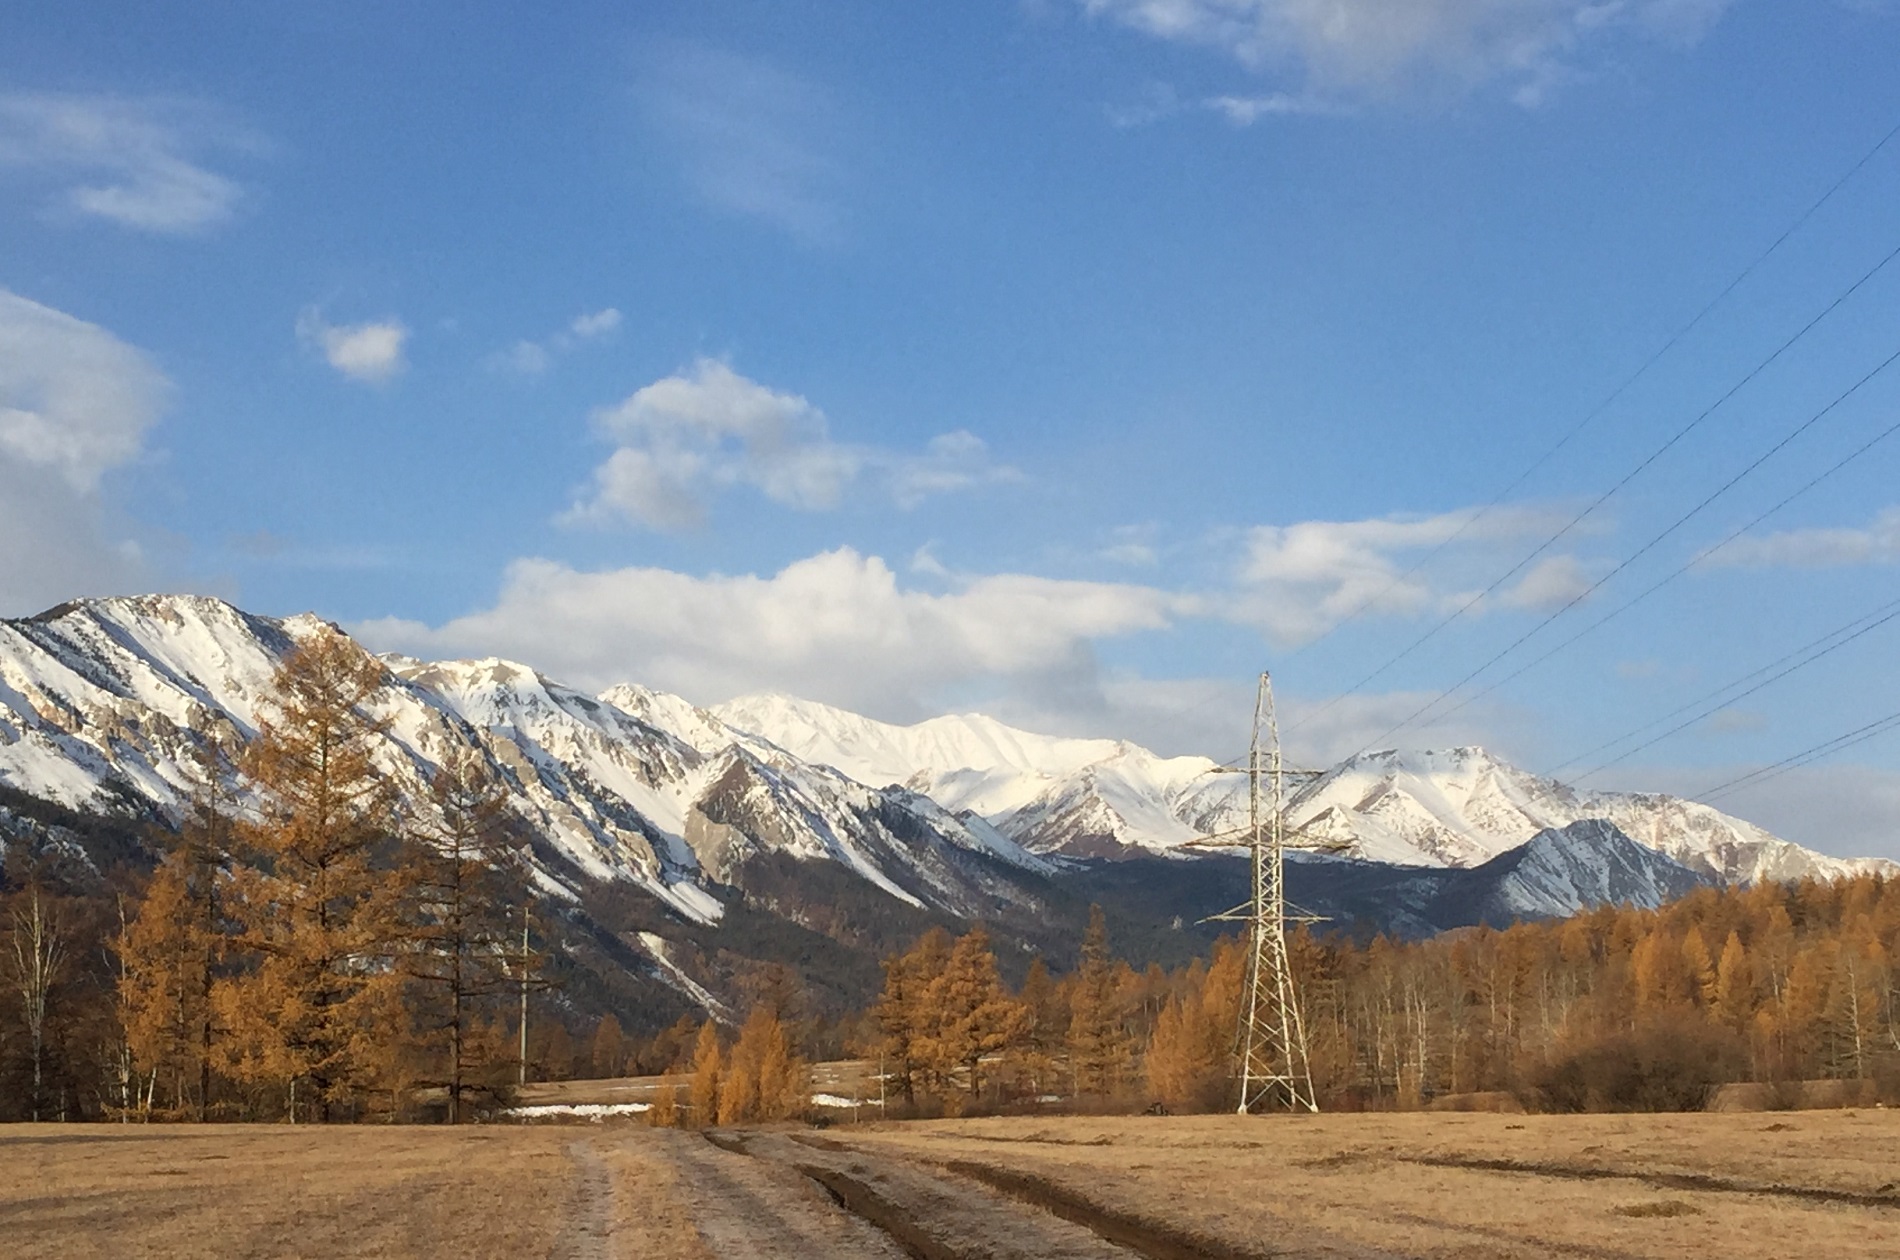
column 1465, row 1184
column 270, row 1191
column 1439, row 1185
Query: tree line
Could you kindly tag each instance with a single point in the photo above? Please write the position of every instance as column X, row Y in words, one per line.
column 1613, row 1009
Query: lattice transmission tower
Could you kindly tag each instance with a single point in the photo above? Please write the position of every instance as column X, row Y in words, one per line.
column 1270, row 1042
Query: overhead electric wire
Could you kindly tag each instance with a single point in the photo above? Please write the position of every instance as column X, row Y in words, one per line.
column 1587, row 420
column 1699, row 558
column 1859, row 735
column 1708, row 703
column 1576, row 430
column 1446, row 694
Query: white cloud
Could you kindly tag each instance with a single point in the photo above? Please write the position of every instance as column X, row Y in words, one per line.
column 75, row 403
column 129, row 161
column 1371, row 48
column 1876, row 543
column 370, row 352
column 1244, row 111
column 1552, row 583
column 598, row 324
column 1296, row 581
column 526, row 357
column 836, row 627
column 684, row 438
column 751, row 139
column 958, row 460
column 73, row 398
column 1133, row 546
column 532, row 358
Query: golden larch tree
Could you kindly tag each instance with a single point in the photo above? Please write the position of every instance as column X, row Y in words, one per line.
column 708, row 1067
column 464, row 880
column 318, row 1009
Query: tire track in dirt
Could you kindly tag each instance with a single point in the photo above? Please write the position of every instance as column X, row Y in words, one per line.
column 934, row 1215
column 1147, row 1238
column 757, row 1210
column 1662, row 1181
column 588, row 1234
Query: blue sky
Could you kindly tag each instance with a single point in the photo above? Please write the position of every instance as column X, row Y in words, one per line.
column 1070, row 360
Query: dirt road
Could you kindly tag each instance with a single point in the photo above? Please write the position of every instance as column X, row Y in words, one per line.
column 787, row 1196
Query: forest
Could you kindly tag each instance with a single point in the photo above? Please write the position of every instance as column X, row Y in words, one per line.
column 323, row 955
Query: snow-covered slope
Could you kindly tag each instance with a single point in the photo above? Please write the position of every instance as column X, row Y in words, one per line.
column 1559, row 871
column 1083, row 797
column 1463, row 807
column 1090, row 797
column 105, row 701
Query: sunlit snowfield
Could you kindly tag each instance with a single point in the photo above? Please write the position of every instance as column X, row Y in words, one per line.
column 1766, row 1184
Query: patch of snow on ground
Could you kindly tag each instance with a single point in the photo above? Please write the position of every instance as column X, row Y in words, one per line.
column 586, row 1111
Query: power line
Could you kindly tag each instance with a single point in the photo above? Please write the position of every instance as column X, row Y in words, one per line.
column 1881, row 617
column 1774, row 770
column 1680, row 521
column 1575, row 430
column 1698, row 559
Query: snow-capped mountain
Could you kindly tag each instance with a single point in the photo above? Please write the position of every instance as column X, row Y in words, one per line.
column 1554, row 874
column 102, row 702
column 1081, row 797
column 1559, row 871
column 1463, row 807
column 1088, row 798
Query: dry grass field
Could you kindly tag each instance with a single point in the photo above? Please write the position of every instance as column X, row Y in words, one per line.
column 1460, row 1184
column 1166, row 1188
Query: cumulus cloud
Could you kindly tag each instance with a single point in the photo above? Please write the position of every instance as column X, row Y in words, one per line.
column 134, row 162
column 1370, row 48
column 1878, row 542
column 1297, row 581
column 684, row 438
column 837, row 627
column 531, row 358
column 751, row 139
column 370, row 352
column 75, row 403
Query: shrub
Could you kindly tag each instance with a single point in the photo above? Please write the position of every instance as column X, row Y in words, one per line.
column 1667, row 1063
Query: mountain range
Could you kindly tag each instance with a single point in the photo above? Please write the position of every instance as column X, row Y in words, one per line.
column 689, row 843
